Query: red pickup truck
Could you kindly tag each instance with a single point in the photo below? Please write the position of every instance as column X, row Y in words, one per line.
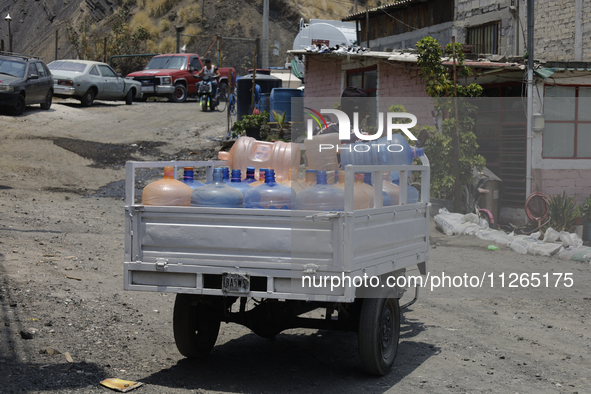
column 175, row 76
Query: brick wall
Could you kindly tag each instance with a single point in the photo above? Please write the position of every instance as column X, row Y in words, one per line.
column 323, row 76
column 575, row 183
column 554, row 30
column 400, row 84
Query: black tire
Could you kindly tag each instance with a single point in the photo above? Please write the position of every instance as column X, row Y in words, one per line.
column 88, row 98
column 379, row 332
column 195, row 325
column 203, row 104
column 48, row 100
column 222, row 104
column 18, row 108
column 180, row 94
column 129, row 97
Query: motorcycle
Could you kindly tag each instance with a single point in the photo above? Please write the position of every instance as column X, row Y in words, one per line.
column 205, row 90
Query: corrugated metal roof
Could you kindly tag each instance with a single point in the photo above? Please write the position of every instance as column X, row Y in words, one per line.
column 406, row 57
column 547, row 72
column 384, row 7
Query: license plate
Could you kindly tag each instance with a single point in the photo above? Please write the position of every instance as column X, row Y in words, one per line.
column 146, row 89
column 235, row 283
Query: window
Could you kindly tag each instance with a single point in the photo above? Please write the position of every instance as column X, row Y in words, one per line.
column 195, row 63
column 366, row 78
column 94, row 71
column 485, row 38
column 40, row 70
column 567, row 133
column 67, row 66
column 107, row 72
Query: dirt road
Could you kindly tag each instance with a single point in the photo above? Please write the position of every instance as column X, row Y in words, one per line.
column 61, row 260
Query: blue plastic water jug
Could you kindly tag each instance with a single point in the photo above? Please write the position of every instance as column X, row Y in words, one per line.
column 412, row 194
column 188, row 178
column 226, row 173
column 321, row 196
column 249, row 175
column 394, row 152
column 269, row 195
column 217, row 194
column 236, row 182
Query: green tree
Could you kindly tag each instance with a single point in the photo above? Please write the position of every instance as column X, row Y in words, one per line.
column 449, row 100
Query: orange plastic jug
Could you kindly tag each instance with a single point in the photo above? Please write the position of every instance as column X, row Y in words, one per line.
column 361, row 185
column 292, row 182
column 321, row 152
column 360, row 197
column 167, row 191
column 248, row 152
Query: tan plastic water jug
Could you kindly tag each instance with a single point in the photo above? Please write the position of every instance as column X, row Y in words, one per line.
column 167, row 191
column 321, row 152
column 248, row 152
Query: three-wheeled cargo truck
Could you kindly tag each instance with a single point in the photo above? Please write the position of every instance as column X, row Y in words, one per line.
column 219, row 260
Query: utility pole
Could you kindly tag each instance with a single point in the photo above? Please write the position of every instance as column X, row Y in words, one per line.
column 254, row 73
column 456, row 139
column 367, row 21
column 265, row 43
column 9, row 19
column 530, row 93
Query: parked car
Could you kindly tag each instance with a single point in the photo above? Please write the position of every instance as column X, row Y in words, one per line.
column 24, row 80
column 174, row 76
column 88, row 80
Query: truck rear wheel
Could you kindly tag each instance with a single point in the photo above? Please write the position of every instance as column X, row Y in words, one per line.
column 379, row 331
column 180, row 94
column 195, row 325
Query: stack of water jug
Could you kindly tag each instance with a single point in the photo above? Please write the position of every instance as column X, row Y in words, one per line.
column 278, row 186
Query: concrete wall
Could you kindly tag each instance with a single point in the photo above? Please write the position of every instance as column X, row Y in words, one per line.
column 471, row 13
column 442, row 33
column 554, row 37
column 468, row 13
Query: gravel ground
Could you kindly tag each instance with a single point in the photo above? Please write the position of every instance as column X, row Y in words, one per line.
column 61, row 271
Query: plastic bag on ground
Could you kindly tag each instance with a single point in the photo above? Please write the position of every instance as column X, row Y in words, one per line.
column 551, row 235
column 581, row 253
column 520, row 244
column 570, row 239
column 456, row 223
column 496, row 236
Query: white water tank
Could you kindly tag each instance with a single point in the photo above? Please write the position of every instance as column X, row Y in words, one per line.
column 328, row 32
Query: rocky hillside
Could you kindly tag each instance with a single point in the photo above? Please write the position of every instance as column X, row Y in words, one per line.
column 149, row 26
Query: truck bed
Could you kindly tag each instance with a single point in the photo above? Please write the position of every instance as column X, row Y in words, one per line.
column 188, row 249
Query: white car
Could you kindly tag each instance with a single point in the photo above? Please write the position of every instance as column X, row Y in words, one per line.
column 89, row 80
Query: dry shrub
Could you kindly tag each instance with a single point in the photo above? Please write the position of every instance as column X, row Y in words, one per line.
column 193, row 32
column 167, row 45
column 182, row 14
column 142, row 20
column 193, row 13
column 164, row 25
column 142, row 4
column 152, row 46
column 157, row 8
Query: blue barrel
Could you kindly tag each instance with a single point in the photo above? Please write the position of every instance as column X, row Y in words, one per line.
column 244, row 85
column 281, row 101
